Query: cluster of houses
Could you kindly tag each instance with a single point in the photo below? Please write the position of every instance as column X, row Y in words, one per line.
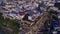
column 34, row 8
column 18, row 9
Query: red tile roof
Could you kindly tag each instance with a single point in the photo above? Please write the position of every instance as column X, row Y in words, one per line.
column 21, row 13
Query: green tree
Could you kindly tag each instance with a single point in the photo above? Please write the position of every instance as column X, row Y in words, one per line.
column 12, row 24
column 1, row 21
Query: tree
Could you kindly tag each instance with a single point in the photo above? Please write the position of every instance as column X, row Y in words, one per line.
column 1, row 14
column 1, row 20
column 12, row 24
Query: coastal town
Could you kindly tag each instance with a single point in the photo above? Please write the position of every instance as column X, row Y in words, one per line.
column 29, row 17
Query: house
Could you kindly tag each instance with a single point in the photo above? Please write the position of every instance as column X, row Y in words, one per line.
column 20, row 15
column 50, row 3
column 33, row 17
column 12, row 15
column 58, row 16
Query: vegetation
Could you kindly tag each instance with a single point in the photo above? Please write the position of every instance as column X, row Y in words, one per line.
column 53, row 15
column 1, row 14
column 12, row 23
column 1, row 20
